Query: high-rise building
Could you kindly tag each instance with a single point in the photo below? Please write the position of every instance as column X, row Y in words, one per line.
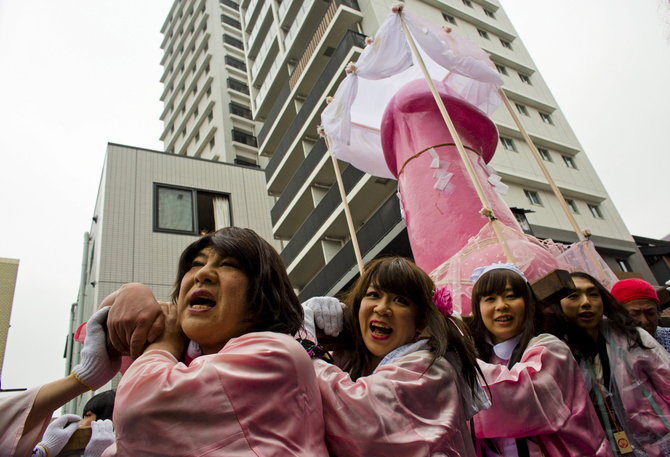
column 207, row 111
column 296, row 53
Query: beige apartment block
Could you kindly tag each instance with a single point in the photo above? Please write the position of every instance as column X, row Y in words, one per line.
column 8, row 271
column 296, row 53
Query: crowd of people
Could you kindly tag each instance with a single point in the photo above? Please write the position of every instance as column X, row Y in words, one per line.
column 232, row 366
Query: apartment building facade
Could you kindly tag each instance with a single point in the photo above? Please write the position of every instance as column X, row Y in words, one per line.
column 205, row 94
column 296, row 53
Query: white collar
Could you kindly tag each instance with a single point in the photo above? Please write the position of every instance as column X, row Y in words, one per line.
column 504, row 350
column 403, row 350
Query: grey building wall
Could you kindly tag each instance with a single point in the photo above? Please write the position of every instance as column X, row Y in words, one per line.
column 122, row 244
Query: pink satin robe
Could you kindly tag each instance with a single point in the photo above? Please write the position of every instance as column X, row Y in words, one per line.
column 543, row 396
column 14, row 410
column 401, row 409
column 258, row 396
column 650, row 372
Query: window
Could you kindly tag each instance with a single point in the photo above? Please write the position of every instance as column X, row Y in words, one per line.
column 240, row 110
column 546, row 118
column 244, row 161
column 230, row 21
column 211, row 144
column 489, row 13
column 210, row 116
column 467, row 3
column 236, row 63
column 232, row 41
column 508, row 143
column 506, row 44
column 483, row 33
column 525, row 79
column 544, row 154
column 209, row 91
column 624, row 265
column 533, row 197
column 197, row 137
column 244, row 137
column 572, row 205
column 569, row 162
column 501, row 69
column 189, row 211
column 196, row 111
column 450, row 19
column 595, row 211
column 238, row 86
column 521, row 109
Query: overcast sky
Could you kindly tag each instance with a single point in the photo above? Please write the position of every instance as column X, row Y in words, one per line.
column 78, row 74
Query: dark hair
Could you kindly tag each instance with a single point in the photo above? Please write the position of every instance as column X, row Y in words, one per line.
column 272, row 304
column 618, row 320
column 494, row 282
column 401, row 276
column 102, row 405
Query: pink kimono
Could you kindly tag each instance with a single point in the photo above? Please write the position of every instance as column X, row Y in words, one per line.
column 402, row 409
column 14, row 410
column 542, row 397
column 642, row 378
column 258, row 396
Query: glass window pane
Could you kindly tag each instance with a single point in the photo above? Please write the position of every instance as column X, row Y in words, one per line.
column 175, row 209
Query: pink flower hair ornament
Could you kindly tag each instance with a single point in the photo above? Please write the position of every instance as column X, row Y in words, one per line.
column 443, row 301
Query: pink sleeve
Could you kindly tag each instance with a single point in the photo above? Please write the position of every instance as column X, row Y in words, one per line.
column 402, row 409
column 226, row 402
column 536, row 396
column 14, row 410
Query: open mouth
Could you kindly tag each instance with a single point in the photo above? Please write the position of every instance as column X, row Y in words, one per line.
column 201, row 300
column 505, row 318
column 586, row 315
column 380, row 329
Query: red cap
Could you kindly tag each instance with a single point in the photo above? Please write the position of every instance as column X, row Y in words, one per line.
column 634, row 289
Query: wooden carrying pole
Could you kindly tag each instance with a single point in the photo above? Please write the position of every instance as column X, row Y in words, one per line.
column 538, row 159
column 495, row 224
column 347, row 211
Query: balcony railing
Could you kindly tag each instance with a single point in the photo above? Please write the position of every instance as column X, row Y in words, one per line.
column 385, row 219
column 316, row 96
column 298, row 179
column 326, row 207
column 238, row 86
column 244, row 137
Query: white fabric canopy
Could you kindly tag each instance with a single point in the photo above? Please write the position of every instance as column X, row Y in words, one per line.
column 352, row 120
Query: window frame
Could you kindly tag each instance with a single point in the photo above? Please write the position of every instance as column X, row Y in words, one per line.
column 544, row 153
column 533, row 197
column 522, row 109
column 546, row 118
column 512, row 146
column 569, row 162
column 595, row 211
column 572, row 205
column 501, row 69
column 506, row 44
column 484, row 34
column 194, row 192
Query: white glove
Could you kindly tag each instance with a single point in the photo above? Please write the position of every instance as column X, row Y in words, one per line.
column 96, row 367
column 667, row 283
column 57, row 435
column 327, row 312
column 102, row 436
